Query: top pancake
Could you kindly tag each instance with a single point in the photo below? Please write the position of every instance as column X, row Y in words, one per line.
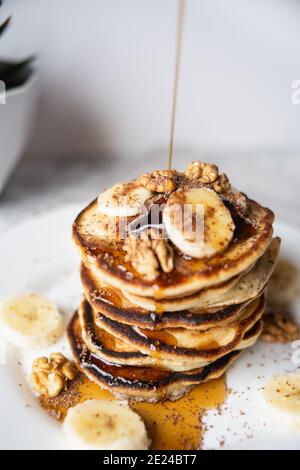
column 189, row 275
column 236, row 290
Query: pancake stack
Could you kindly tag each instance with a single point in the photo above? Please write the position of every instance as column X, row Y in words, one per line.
column 164, row 308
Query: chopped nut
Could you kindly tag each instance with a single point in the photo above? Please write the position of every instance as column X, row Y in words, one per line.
column 142, row 258
column 69, row 370
column 278, row 327
column 221, row 185
column 58, row 358
column 37, row 384
column 194, row 170
column 50, row 376
column 43, row 376
column 41, row 364
column 55, row 384
column 164, row 254
column 208, row 173
column 205, row 172
column 159, row 181
column 149, row 253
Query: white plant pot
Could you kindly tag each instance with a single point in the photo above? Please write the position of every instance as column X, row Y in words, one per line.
column 16, row 122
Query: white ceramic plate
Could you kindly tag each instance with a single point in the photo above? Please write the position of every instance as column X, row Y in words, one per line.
column 38, row 256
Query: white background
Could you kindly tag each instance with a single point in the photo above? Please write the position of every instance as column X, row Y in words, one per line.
column 106, row 72
column 107, row 68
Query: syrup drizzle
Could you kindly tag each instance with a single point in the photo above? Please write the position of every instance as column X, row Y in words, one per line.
column 181, row 14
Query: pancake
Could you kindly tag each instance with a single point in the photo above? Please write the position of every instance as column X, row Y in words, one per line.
column 117, row 305
column 113, row 304
column 235, row 291
column 189, row 275
column 175, row 349
column 142, row 383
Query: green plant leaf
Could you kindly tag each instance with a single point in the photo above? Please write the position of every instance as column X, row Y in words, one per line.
column 15, row 73
column 4, row 25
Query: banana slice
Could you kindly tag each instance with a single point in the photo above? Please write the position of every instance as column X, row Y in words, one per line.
column 29, row 321
column 105, row 425
column 123, row 200
column 282, row 392
column 197, row 222
column 111, row 228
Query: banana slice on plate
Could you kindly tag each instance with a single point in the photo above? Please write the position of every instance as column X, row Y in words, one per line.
column 197, row 222
column 105, row 425
column 123, row 200
column 282, row 393
column 29, row 321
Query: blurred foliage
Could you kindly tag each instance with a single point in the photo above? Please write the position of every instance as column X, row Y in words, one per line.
column 14, row 73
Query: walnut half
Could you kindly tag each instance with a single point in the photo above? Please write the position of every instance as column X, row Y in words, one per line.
column 209, row 174
column 278, row 327
column 50, row 376
column 149, row 254
column 159, row 181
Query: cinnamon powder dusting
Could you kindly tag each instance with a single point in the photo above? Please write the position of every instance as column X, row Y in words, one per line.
column 171, row 425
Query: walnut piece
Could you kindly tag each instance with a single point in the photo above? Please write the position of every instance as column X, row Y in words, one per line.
column 221, row 185
column 205, row 172
column 208, row 173
column 149, row 254
column 278, row 327
column 50, row 376
column 159, row 181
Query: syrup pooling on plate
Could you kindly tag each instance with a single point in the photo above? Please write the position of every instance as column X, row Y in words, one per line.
column 170, row 425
